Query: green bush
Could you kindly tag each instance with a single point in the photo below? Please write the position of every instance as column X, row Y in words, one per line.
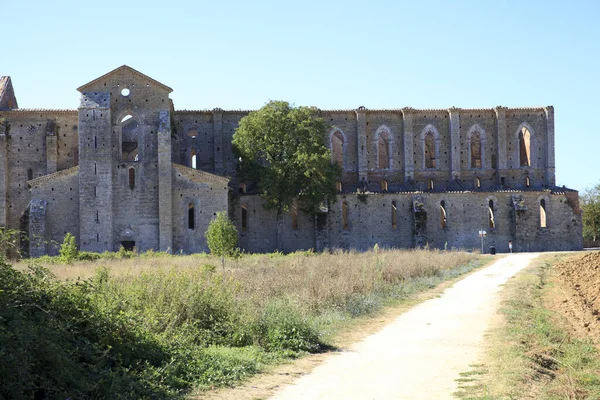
column 68, row 250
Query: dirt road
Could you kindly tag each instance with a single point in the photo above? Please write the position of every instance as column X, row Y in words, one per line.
column 422, row 352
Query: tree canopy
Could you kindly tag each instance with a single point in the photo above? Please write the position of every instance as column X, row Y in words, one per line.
column 590, row 207
column 222, row 237
column 283, row 150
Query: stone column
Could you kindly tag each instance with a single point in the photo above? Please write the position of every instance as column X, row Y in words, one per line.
column 37, row 228
column 550, row 160
column 165, row 184
column 218, row 140
column 454, row 114
column 502, row 161
column 51, row 153
column 409, row 162
column 362, row 146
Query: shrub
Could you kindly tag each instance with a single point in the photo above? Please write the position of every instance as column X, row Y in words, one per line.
column 68, row 250
column 222, row 237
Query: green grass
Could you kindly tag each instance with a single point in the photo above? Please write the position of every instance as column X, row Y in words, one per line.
column 162, row 331
column 531, row 355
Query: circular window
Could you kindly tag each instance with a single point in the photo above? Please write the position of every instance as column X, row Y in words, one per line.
column 125, row 92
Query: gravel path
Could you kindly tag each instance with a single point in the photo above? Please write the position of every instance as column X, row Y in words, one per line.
column 422, row 352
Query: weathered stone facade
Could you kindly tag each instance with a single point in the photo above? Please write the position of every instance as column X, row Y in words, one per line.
column 127, row 169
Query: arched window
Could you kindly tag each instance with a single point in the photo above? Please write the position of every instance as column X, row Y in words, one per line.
column 430, row 156
column 527, row 181
column 338, row 186
column 443, row 214
column 475, row 150
column 383, row 151
column 129, row 138
column 193, row 159
column 242, row 188
column 29, row 174
column 492, row 222
column 430, row 184
column 294, row 210
column 542, row 213
column 193, row 133
column 191, row 217
column 394, row 215
column 244, row 218
column 477, row 183
column 384, row 185
column 337, row 148
column 131, row 178
column 524, row 148
column 344, row 215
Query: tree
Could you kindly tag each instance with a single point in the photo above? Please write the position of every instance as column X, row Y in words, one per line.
column 222, row 237
column 9, row 243
column 283, row 150
column 590, row 207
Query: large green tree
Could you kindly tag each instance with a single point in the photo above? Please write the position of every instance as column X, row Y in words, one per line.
column 284, row 151
column 590, row 207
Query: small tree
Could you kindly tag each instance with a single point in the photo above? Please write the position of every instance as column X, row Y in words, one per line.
column 222, row 237
column 9, row 242
column 68, row 250
column 590, row 207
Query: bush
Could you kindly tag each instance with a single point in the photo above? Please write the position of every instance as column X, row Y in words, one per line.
column 222, row 237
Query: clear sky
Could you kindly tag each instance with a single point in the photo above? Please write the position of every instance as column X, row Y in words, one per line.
column 330, row 54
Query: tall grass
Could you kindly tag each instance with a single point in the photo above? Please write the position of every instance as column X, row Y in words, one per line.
column 207, row 326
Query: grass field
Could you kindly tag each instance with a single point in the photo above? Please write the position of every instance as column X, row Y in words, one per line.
column 154, row 325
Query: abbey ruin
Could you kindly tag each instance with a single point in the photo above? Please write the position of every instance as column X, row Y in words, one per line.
column 127, row 169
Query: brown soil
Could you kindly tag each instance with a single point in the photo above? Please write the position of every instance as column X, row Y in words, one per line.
column 578, row 283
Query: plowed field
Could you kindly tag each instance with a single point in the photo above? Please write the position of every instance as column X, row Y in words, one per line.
column 579, row 280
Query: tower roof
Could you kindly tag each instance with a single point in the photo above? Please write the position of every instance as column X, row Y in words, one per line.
column 8, row 101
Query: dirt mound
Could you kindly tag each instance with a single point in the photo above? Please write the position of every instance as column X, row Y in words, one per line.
column 579, row 279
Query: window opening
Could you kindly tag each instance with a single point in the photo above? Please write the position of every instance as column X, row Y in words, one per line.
column 131, row 178
column 430, row 184
column 492, row 223
column 244, row 218
column 475, row 150
column 338, row 186
column 527, row 181
column 494, row 163
column 442, row 214
column 525, row 148
column 129, row 137
column 191, row 217
column 294, row 215
column 337, row 148
column 344, row 215
column 29, row 174
column 242, row 188
column 394, row 215
column 193, row 133
column 477, row 183
column 430, row 161
column 383, row 151
column 384, row 185
column 193, row 159
column 502, row 181
column 542, row 213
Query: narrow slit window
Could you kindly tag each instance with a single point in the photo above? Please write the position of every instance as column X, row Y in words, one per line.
column 492, row 222
column 97, row 217
column 384, row 185
column 494, row 163
column 244, row 218
column 131, row 178
column 337, row 148
column 543, row 213
column 527, row 181
column 294, row 210
column 443, row 220
column 475, row 150
column 394, row 215
column 29, row 174
column 338, row 186
column 430, row 184
column 191, row 216
column 477, row 183
column 193, row 159
column 344, row 215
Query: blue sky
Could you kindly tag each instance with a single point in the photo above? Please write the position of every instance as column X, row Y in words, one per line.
column 330, row 54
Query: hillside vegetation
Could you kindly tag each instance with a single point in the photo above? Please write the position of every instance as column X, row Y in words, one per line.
column 156, row 326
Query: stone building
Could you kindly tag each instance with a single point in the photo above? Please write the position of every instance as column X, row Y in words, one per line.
column 127, row 169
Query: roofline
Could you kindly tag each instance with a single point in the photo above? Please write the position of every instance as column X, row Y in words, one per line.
column 135, row 72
